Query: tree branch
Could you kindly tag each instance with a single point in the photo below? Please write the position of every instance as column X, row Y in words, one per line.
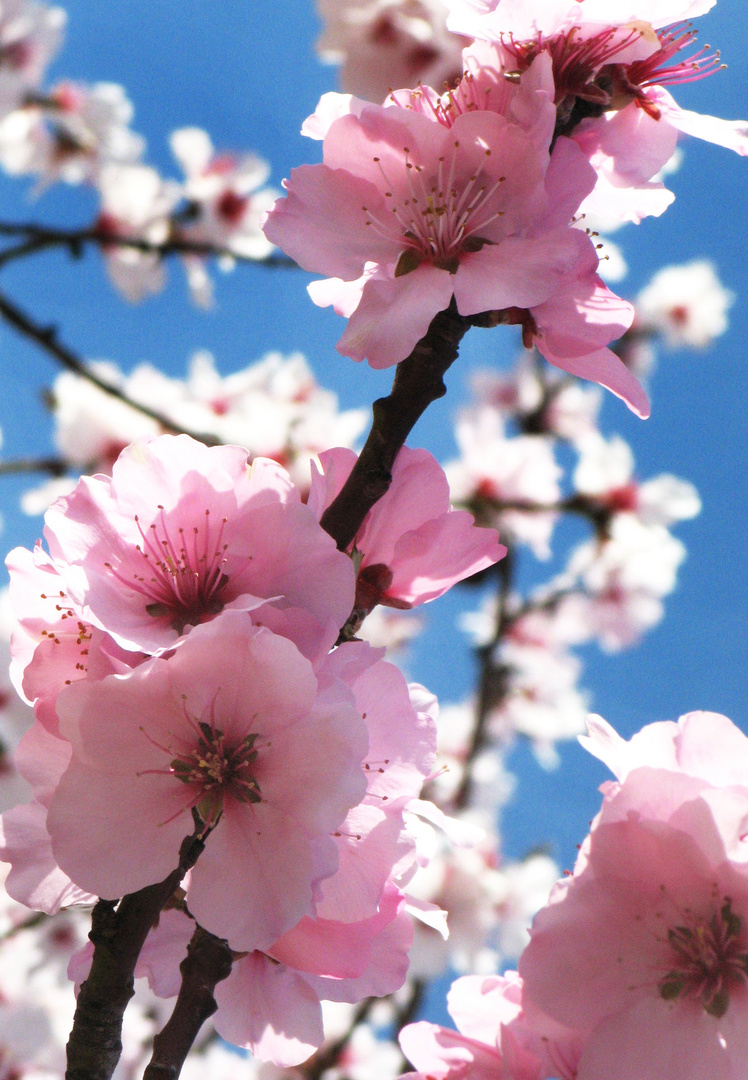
column 418, row 381
column 95, row 1043
column 55, row 466
column 207, row 963
column 40, row 237
column 47, row 339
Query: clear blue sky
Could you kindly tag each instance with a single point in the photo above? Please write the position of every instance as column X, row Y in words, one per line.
column 246, row 72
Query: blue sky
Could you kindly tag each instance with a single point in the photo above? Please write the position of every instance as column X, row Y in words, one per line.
column 247, row 73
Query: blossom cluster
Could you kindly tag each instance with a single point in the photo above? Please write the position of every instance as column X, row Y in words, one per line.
column 175, row 644
column 274, row 407
column 660, row 885
column 612, row 589
column 198, row 665
column 76, row 133
column 476, row 197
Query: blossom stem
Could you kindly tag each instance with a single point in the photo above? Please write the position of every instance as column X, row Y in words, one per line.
column 418, row 381
column 46, row 337
column 207, row 963
column 118, row 934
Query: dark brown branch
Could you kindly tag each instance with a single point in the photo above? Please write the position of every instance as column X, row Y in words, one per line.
column 53, row 465
column 207, row 963
column 47, row 339
column 40, row 237
column 28, row 247
column 118, row 935
column 418, row 381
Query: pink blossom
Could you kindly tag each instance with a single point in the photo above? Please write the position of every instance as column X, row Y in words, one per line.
column 497, row 237
column 182, row 531
column 624, row 578
column 412, row 546
column 389, row 43
column 233, row 724
column 71, row 133
column 493, row 1040
column 605, row 474
column 615, row 60
column 644, row 948
column 267, row 999
column 30, row 35
column 495, row 469
column 51, row 645
column 136, row 202
column 34, row 878
column 687, row 304
column 701, row 744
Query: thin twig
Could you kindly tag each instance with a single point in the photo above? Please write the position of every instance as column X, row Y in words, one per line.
column 47, row 339
column 329, row 1054
column 208, row 962
column 492, row 685
column 118, row 935
column 40, row 237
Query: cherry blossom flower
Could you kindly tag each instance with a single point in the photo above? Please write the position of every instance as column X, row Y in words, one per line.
column 224, row 207
column 71, row 133
column 492, row 1039
column 624, row 579
column 30, row 35
column 489, row 904
column 234, row 726
column 412, row 546
column 701, row 744
column 611, row 64
column 182, row 531
column 660, row 889
column 687, row 304
column 271, row 1002
column 93, row 428
column 355, row 941
column 495, row 469
column 605, row 472
column 354, row 215
column 542, row 700
column 274, row 407
column 34, row 878
column 219, row 189
column 383, row 44
column 135, row 203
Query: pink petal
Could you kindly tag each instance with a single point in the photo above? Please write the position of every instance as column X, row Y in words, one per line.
column 269, row 1009
column 394, row 314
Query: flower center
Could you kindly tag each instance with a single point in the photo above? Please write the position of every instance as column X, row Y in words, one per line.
column 440, row 217
column 710, row 960
column 185, row 577
column 215, row 770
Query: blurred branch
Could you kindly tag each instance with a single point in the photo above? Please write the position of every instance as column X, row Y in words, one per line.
column 46, row 338
column 53, row 465
column 208, row 962
column 492, row 681
column 41, row 237
column 328, row 1056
